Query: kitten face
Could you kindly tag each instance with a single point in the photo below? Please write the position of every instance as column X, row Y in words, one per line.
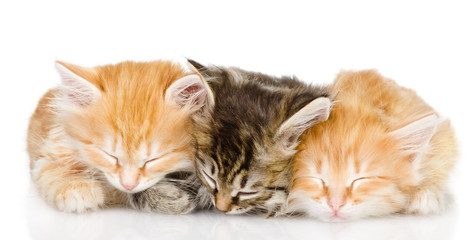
column 131, row 120
column 132, row 166
column 256, row 182
column 352, row 169
column 246, row 142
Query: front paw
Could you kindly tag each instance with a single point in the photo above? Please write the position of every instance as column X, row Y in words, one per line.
column 79, row 197
column 427, row 202
column 164, row 197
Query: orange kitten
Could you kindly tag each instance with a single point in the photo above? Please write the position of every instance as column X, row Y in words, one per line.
column 114, row 127
column 383, row 150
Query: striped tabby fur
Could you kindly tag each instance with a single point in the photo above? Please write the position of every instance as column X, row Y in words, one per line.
column 245, row 143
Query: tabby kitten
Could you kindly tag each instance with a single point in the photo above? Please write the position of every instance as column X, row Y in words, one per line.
column 383, row 150
column 246, row 142
column 110, row 128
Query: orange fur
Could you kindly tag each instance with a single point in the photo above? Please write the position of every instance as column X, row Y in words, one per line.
column 68, row 145
column 356, row 142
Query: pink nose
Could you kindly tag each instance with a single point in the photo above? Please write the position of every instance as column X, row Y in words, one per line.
column 335, row 205
column 129, row 186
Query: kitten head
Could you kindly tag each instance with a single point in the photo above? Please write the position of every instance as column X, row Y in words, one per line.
column 353, row 166
column 131, row 120
column 247, row 141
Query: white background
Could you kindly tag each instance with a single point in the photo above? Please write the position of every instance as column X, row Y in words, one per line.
column 425, row 45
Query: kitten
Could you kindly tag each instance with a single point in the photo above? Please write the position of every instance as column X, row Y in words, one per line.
column 383, row 150
column 246, row 142
column 110, row 128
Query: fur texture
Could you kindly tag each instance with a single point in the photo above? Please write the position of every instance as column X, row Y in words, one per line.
column 245, row 143
column 111, row 128
column 383, row 150
column 177, row 193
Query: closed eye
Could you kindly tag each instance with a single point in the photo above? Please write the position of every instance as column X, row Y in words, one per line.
column 246, row 195
column 277, row 189
column 211, row 182
column 360, row 180
column 317, row 179
column 113, row 159
column 152, row 160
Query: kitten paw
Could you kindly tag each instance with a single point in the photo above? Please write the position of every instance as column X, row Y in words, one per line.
column 164, row 197
column 427, row 202
column 79, row 197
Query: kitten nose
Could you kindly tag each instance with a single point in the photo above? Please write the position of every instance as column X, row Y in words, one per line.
column 129, row 177
column 129, row 186
column 222, row 207
column 335, row 204
column 223, row 202
column 222, row 210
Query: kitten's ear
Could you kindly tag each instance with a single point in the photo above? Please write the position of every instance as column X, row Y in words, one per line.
column 316, row 111
column 191, row 91
column 195, row 64
column 415, row 137
column 78, row 83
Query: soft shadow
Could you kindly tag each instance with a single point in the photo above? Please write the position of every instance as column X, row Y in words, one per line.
column 48, row 223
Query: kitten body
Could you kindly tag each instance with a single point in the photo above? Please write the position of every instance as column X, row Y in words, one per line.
column 113, row 130
column 246, row 142
column 383, row 150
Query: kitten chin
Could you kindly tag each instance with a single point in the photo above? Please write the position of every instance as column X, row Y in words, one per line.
column 105, row 132
column 246, row 141
column 382, row 151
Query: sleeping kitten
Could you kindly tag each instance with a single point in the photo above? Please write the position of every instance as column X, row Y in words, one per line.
column 246, row 142
column 383, row 150
column 114, row 127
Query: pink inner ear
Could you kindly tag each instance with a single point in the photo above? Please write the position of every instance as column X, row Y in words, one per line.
column 78, row 99
column 194, row 93
column 188, row 91
column 80, row 95
column 416, row 135
column 78, row 90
